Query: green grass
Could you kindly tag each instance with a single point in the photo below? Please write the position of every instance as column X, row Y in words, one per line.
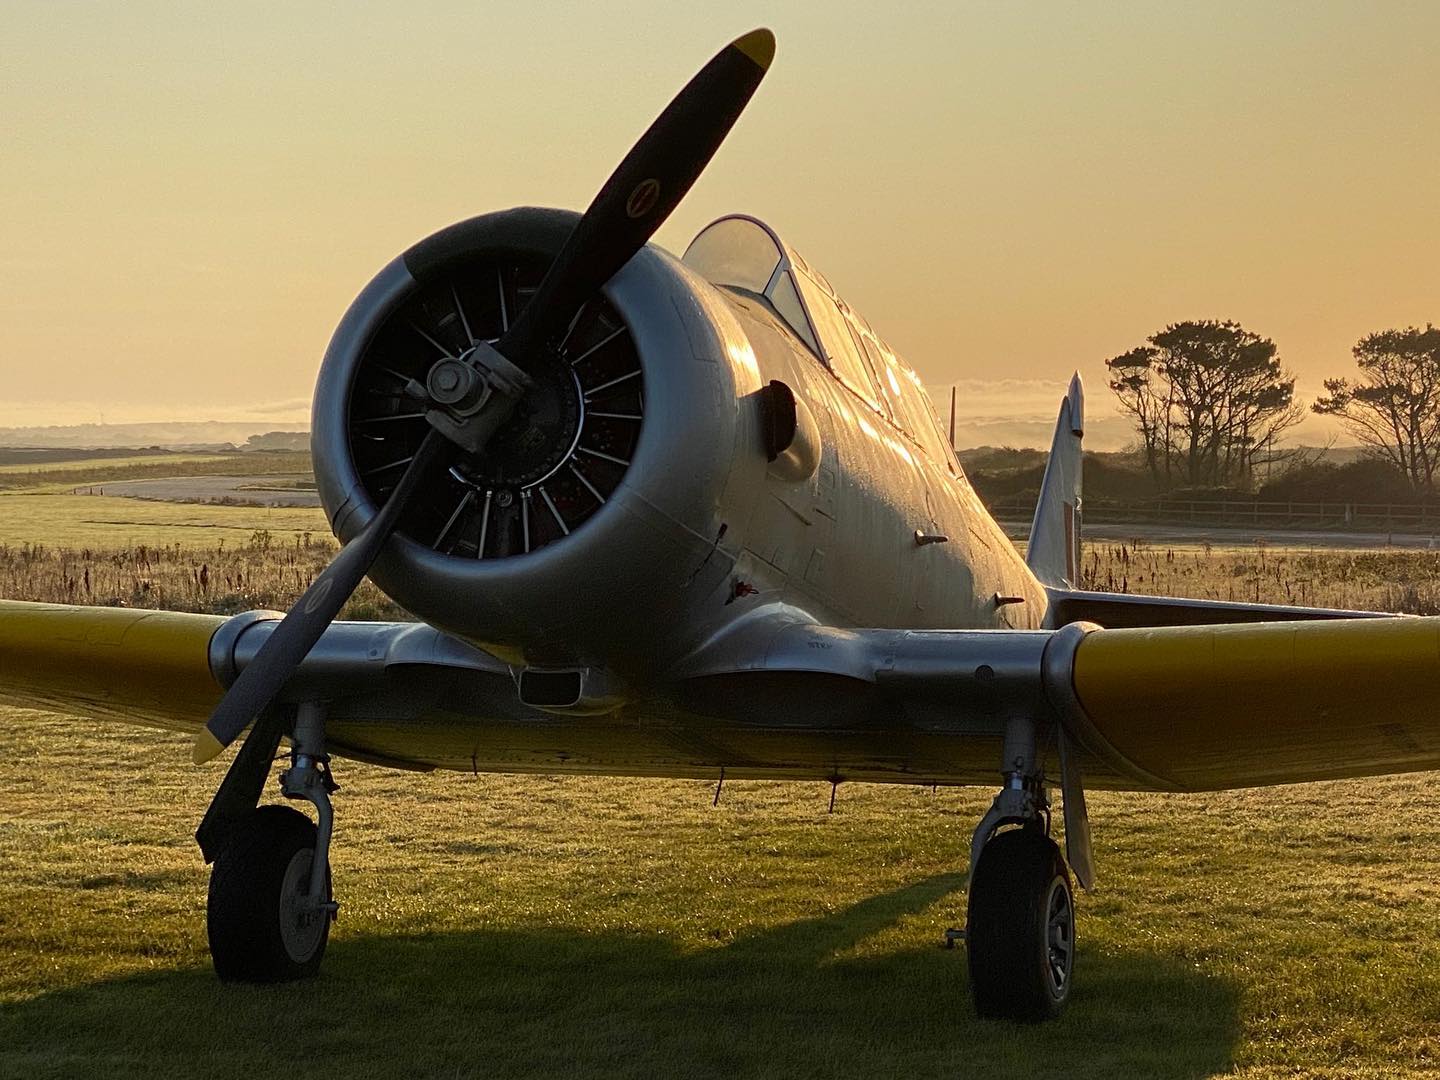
column 37, row 507
column 111, row 521
column 506, row 926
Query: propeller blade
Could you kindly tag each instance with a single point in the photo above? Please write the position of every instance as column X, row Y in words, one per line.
column 643, row 190
column 648, row 184
column 291, row 641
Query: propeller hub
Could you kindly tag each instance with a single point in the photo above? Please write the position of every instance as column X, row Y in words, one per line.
column 539, row 435
column 452, row 382
column 473, row 395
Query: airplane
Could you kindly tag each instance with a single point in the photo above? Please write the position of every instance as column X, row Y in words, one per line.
column 694, row 518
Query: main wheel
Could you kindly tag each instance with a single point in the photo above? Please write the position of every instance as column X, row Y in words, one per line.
column 1021, row 928
column 261, row 929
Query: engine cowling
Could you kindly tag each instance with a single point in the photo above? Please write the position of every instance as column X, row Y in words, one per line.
column 590, row 523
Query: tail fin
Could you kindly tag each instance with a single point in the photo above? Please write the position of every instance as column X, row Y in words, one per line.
column 1053, row 554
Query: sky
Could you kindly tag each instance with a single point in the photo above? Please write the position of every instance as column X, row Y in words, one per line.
column 191, row 194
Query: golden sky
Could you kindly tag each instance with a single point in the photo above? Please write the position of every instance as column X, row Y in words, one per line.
column 192, row 193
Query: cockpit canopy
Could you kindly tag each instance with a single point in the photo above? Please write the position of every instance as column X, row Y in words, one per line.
column 744, row 254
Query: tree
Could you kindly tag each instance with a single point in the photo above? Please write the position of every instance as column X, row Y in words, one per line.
column 1208, row 399
column 1145, row 399
column 1394, row 406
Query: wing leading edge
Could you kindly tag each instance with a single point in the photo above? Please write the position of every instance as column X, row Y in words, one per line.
column 118, row 663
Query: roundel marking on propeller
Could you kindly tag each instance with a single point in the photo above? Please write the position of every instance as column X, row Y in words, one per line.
column 643, row 199
column 322, row 590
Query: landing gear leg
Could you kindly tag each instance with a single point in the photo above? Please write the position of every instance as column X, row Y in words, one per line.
column 1020, row 932
column 270, row 906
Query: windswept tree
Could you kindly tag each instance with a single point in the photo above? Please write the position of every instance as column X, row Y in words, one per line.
column 1394, row 405
column 1147, row 400
column 1208, row 399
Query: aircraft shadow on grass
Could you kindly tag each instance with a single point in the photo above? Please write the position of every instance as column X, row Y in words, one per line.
column 785, row 1002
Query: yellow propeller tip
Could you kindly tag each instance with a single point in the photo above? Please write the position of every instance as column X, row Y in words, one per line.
column 207, row 747
column 759, row 46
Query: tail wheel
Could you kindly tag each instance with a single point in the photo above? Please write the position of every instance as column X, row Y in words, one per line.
column 1021, row 928
column 260, row 924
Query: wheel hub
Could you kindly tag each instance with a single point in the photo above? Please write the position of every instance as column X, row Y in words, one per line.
column 302, row 924
column 1059, row 936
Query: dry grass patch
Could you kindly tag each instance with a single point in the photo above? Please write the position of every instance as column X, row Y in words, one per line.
column 261, row 569
column 1384, row 579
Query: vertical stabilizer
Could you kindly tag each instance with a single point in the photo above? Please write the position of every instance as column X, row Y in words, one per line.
column 1054, row 551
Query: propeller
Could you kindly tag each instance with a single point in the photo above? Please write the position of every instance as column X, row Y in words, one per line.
column 637, row 198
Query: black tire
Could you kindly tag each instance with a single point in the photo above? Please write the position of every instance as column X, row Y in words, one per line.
column 1021, row 929
column 257, row 930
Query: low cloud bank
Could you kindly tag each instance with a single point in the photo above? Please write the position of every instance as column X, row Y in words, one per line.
column 1022, row 412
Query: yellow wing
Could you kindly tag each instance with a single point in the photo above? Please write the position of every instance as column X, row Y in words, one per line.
column 1209, row 707
column 149, row 667
column 1182, row 707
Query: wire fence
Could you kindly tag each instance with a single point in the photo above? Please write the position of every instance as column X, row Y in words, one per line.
column 1294, row 514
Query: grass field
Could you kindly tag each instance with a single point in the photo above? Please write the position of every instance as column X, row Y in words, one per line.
column 497, row 926
column 502, row 926
column 108, row 522
column 36, row 506
column 99, row 470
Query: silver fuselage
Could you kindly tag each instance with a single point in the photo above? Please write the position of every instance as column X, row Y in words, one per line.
column 704, row 550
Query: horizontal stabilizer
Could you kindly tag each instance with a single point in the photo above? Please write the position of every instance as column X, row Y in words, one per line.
column 1116, row 610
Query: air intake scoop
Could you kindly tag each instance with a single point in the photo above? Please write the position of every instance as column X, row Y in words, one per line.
column 571, row 690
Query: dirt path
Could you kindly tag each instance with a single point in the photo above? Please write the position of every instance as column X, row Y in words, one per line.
column 242, row 490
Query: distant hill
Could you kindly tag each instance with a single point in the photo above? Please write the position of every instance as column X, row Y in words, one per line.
column 993, row 458
column 183, row 435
